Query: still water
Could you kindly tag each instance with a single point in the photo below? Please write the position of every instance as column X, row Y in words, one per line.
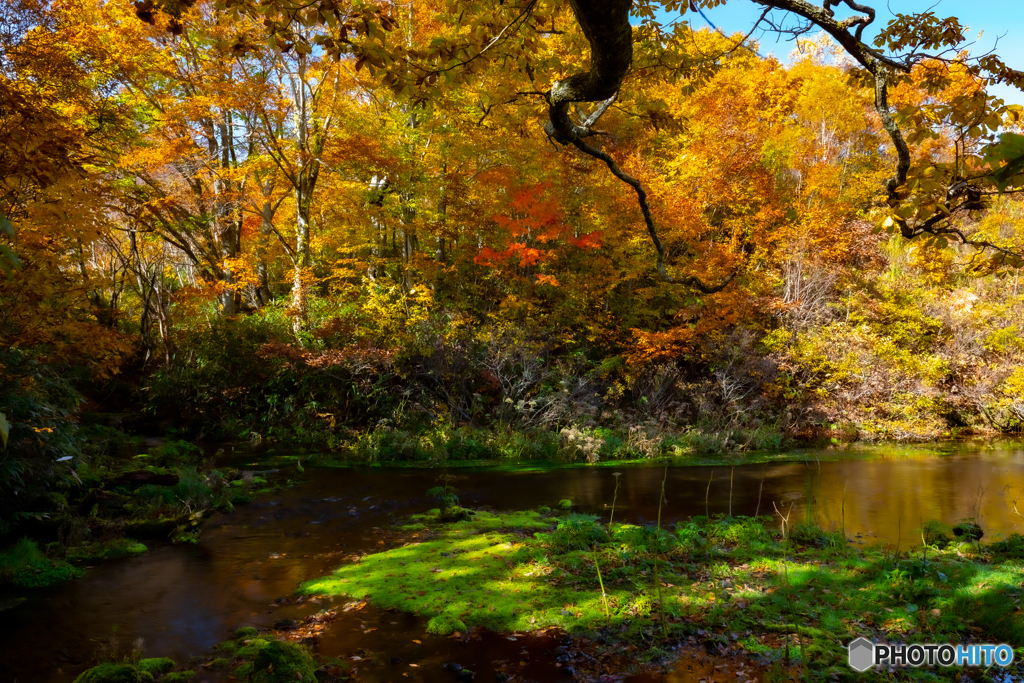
column 182, row 600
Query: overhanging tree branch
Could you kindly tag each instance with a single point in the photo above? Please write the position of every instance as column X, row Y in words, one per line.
column 605, row 24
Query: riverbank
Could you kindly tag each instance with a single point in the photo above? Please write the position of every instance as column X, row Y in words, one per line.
column 127, row 492
column 248, row 563
column 116, row 503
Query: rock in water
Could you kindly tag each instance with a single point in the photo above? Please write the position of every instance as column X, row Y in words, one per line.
column 280, row 662
column 114, row 673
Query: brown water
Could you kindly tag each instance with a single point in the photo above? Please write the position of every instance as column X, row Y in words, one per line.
column 182, row 600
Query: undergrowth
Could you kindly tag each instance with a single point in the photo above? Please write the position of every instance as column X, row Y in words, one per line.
column 25, row 565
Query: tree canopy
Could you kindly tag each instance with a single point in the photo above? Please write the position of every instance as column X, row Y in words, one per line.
column 371, row 183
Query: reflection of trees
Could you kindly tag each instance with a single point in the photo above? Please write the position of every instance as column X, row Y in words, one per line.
column 888, row 497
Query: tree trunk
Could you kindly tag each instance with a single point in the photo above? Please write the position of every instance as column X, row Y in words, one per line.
column 300, row 303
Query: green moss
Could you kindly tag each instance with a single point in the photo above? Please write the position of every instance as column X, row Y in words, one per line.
column 156, row 665
column 523, row 572
column 103, row 551
column 178, row 677
column 220, row 663
column 114, row 673
column 247, row 632
column 282, row 662
column 988, row 599
column 565, row 504
column 445, row 624
column 228, row 646
column 1011, row 547
column 24, row 564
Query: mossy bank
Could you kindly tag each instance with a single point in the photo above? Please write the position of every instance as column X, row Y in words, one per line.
column 797, row 597
column 250, row 655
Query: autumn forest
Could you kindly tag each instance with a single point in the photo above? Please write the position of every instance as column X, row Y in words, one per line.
column 304, row 240
column 450, row 231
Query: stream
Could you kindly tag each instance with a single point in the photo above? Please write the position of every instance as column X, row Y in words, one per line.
column 182, row 600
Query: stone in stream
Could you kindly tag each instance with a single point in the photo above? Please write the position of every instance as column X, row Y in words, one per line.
column 109, row 672
column 466, row 676
column 281, row 662
column 452, row 666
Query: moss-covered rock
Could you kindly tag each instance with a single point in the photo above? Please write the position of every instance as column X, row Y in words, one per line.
column 228, row 646
column 156, row 665
column 565, row 504
column 114, row 673
column 968, row 530
column 445, row 624
column 247, row 632
column 178, row 677
column 220, row 663
column 45, row 573
column 281, row 662
column 105, row 550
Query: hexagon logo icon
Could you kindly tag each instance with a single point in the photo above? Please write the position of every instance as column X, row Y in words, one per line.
column 861, row 654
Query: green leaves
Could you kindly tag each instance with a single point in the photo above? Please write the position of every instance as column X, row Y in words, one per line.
column 1006, row 159
column 8, row 262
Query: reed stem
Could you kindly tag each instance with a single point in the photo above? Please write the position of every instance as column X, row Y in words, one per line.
column 604, row 597
column 657, row 554
column 615, row 496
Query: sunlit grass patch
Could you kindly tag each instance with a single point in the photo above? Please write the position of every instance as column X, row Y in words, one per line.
column 525, row 571
column 488, row 571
